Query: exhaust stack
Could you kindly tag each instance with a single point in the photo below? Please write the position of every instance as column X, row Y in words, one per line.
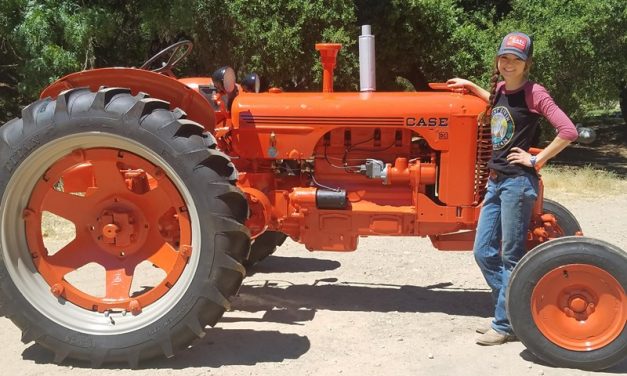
column 367, row 71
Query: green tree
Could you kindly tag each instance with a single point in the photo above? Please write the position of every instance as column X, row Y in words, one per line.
column 276, row 39
column 579, row 50
column 579, row 54
column 424, row 41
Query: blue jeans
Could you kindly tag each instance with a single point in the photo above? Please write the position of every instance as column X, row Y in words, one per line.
column 501, row 236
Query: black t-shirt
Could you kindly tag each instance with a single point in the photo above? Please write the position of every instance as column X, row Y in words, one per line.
column 513, row 125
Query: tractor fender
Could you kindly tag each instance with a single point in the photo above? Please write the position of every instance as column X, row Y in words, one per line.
column 156, row 85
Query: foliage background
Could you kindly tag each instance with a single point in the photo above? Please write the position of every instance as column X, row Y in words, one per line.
column 580, row 45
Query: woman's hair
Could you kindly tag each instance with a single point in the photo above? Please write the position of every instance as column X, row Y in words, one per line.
column 493, row 81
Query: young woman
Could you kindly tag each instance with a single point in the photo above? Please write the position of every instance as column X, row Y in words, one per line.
column 514, row 107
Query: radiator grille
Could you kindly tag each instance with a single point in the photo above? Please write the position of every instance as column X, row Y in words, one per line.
column 484, row 153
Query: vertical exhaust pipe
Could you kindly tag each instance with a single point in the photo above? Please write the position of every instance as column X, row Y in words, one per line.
column 367, row 71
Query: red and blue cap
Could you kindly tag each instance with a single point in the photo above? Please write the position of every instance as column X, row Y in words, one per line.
column 518, row 44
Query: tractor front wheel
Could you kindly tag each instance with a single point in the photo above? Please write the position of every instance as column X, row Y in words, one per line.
column 566, row 302
column 152, row 228
column 263, row 246
column 567, row 224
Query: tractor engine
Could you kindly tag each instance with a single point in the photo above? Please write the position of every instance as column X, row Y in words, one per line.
column 326, row 168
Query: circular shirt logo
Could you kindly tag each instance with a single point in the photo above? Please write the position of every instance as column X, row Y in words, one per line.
column 502, row 126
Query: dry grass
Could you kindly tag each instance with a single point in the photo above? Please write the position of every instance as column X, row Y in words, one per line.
column 583, row 180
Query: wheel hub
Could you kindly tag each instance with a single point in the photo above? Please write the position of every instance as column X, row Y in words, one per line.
column 120, row 228
column 578, row 304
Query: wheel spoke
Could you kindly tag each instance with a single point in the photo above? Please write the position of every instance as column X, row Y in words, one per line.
column 165, row 257
column 76, row 254
column 119, row 279
column 157, row 201
column 108, row 176
column 65, row 205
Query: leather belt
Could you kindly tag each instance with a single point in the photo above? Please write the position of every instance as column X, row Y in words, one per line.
column 497, row 176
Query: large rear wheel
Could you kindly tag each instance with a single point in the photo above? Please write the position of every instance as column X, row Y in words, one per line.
column 566, row 302
column 152, row 223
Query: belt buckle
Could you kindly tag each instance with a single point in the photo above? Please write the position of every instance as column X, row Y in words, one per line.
column 495, row 176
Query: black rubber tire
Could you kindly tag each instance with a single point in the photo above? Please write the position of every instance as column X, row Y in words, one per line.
column 565, row 219
column 263, row 246
column 537, row 263
column 207, row 175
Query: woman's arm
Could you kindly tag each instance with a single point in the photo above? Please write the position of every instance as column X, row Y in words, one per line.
column 460, row 83
column 541, row 102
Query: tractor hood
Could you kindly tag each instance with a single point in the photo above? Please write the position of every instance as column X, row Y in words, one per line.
column 308, row 116
column 404, row 109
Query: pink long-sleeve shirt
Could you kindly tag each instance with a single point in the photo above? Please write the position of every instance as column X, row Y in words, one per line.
column 540, row 102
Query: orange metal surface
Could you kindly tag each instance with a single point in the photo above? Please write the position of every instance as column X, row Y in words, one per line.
column 579, row 307
column 260, row 210
column 446, row 120
column 118, row 226
column 156, row 85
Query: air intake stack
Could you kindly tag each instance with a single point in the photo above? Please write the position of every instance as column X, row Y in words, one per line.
column 328, row 56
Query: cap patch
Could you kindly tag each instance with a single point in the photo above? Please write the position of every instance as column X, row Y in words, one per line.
column 517, row 42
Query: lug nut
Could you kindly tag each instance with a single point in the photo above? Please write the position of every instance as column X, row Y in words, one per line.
column 27, row 214
column 569, row 312
column 57, row 289
column 134, row 307
column 186, row 251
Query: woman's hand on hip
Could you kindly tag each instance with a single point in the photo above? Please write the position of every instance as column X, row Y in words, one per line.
column 519, row 156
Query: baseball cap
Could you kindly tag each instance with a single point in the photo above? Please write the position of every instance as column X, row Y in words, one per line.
column 518, row 44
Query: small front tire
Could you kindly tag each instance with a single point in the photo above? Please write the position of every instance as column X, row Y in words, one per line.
column 566, row 302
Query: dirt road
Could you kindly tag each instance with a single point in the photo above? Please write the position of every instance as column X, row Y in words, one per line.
column 395, row 306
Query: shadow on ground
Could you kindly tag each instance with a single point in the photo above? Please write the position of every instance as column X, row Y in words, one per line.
column 289, row 303
column 620, row 368
column 276, row 264
column 608, row 152
column 609, row 159
column 220, row 347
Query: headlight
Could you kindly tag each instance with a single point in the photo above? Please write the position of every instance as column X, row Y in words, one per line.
column 224, row 79
column 251, row 83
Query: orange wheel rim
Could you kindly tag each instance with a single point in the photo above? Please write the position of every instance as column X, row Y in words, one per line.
column 125, row 211
column 579, row 307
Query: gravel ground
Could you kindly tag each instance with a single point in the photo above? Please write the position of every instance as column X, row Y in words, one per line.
column 396, row 306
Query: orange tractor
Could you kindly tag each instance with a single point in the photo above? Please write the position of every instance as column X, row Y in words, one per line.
column 170, row 187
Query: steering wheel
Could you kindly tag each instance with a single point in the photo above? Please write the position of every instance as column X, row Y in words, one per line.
column 176, row 52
